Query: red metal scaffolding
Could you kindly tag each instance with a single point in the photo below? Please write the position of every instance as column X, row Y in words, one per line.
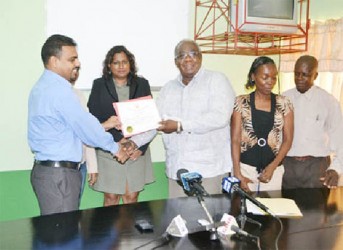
column 216, row 34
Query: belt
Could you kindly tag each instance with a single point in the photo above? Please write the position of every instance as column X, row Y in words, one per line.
column 262, row 142
column 59, row 164
column 301, row 158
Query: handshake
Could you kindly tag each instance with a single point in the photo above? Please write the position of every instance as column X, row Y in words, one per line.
column 127, row 150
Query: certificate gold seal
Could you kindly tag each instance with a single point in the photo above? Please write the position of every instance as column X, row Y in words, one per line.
column 129, row 129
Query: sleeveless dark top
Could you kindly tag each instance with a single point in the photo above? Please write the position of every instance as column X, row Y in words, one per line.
column 261, row 154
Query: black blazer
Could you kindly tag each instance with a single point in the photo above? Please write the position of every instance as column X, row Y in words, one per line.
column 103, row 95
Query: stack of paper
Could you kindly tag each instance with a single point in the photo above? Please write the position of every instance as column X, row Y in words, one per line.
column 281, row 207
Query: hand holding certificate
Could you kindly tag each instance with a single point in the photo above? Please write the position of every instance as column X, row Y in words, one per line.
column 137, row 115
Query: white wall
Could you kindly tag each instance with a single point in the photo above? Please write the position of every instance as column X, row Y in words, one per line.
column 149, row 29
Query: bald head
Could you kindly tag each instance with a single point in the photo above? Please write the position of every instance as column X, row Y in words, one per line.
column 310, row 61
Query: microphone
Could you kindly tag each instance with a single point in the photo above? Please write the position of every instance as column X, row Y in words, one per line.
column 191, row 182
column 227, row 221
column 230, row 227
column 231, row 184
column 177, row 227
column 239, row 231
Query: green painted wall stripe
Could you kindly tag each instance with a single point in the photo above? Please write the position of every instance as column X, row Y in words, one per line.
column 17, row 199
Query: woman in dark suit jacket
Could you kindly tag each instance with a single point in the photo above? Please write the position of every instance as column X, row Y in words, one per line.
column 119, row 82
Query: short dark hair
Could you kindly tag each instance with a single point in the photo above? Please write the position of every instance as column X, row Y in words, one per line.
column 309, row 60
column 106, row 72
column 53, row 46
column 259, row 61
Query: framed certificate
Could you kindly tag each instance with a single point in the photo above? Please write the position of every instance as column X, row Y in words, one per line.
column 137, row 115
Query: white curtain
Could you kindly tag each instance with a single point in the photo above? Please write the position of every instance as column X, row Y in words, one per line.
column 325, row 42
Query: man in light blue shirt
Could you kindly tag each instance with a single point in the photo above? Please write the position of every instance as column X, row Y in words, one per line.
column 57, row 127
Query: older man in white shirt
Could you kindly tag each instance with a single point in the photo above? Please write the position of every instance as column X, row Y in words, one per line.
column 196, row 108
column 316, row 156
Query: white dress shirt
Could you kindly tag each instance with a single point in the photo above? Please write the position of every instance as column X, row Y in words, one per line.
column 204, row 108
column 318, row 126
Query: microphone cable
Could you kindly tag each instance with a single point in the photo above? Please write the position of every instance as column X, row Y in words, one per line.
column 164, row 237
column 279, row 234
column 243, row 235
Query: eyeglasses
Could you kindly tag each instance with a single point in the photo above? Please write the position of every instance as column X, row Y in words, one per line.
column 191, row 54
column 120, row 63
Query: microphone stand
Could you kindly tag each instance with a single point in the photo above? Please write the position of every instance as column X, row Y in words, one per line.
column 242, row 217
column 213, row 230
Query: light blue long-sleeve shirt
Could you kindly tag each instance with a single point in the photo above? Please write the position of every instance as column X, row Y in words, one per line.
column 57, row 123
